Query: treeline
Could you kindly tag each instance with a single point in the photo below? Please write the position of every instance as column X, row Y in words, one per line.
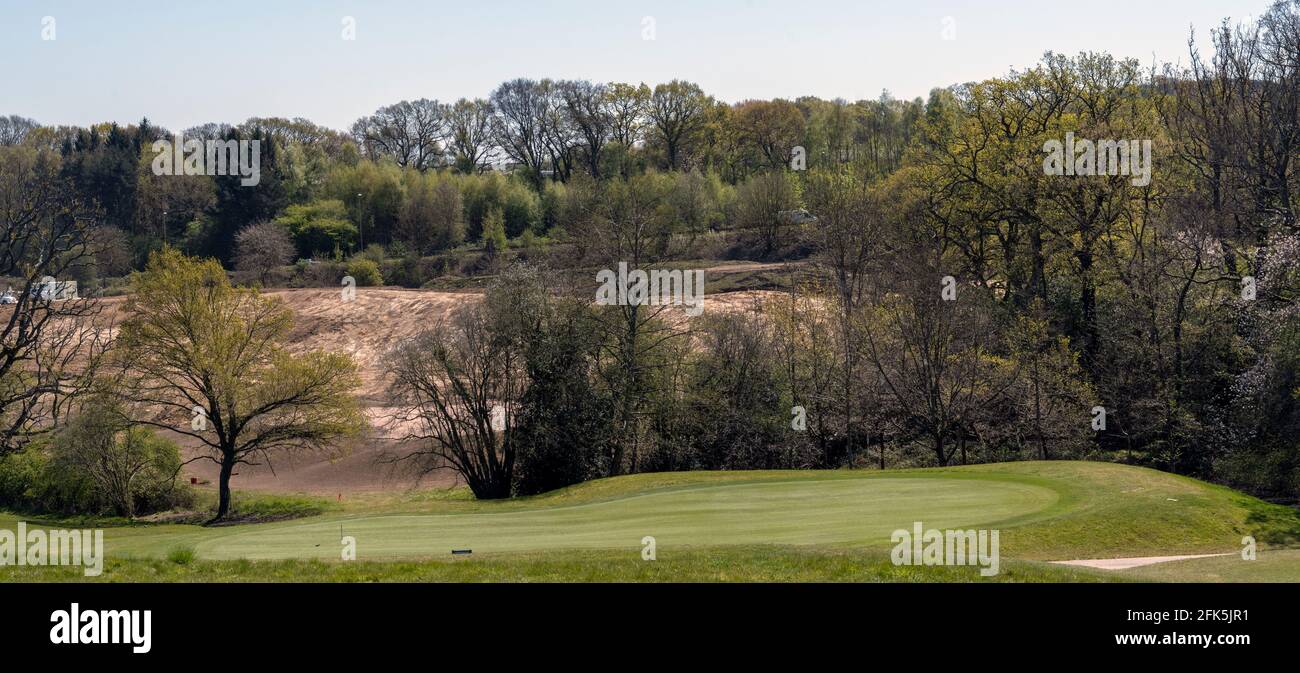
column 971, row 305
column 426, row 176
column 960, row 297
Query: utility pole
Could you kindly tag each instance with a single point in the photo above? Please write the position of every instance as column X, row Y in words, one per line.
column 361, row 225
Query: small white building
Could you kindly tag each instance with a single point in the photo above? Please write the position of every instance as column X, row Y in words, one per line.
column 50, row 289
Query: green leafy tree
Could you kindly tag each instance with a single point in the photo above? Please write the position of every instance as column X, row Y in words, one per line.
column 208, row 360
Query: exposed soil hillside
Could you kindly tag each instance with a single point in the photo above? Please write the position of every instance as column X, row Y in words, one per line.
column 366, row 328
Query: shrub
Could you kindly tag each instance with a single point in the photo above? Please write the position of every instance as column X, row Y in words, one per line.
column 99, row 462
column 319, row 227
column 19, row 474
column 365, row 272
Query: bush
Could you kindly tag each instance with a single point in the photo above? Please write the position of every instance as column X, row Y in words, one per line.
column 320, row 227
column 31, row 482
column 98, row 463
column 19, row 474
column 365, row 272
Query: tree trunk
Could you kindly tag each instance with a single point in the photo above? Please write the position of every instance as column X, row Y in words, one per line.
column 223, row 487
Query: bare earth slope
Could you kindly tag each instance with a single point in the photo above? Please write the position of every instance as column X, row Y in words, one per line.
column 366, row 327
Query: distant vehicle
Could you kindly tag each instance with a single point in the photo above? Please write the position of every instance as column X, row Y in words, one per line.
column 8, row 298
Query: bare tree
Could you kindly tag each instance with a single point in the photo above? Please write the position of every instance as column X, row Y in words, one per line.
column 49, row 339
column 410, row 132
column 262, row 247
column 459, row 385
column 560, row 131
column 14, row 129
column 588, row 107
column 518, row 125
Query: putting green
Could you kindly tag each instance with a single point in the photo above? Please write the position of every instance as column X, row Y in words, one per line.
column 830, row 511
column 759, row 525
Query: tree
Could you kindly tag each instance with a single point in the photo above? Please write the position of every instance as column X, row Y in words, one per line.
column 933, row 355
column 48, row 345
column 208, row 360
column 519, row 124
column 410, row 133
column 261, row 248
column 588, row 108
column 563, row 422
column 237, row 204
column 494, row 233
column 628, row 105
column 460, row 385
column 677, row 113
column 469, row 125
column 319, row 227
column 1050, row 398
column 629, row 216
column 847, row 237
column 14, row 129
column 771, row 128
column 763, row 204
column 432, row 216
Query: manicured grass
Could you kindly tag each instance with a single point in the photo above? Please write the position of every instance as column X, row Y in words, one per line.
column 778, row 525
column 846, row 512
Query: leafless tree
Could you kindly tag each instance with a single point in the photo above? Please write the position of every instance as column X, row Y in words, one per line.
column 459, row 387
column 588, row 107
column 412, row 133
column 48, row 340
column 13, row 129
column 262, row 247
column 519, row 124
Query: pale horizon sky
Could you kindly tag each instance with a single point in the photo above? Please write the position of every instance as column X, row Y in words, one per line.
column 183, row 63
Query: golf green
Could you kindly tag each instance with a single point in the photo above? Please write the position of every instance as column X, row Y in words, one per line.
column 795, row 512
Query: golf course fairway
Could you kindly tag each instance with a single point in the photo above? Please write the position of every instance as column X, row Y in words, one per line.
column 1045, row 511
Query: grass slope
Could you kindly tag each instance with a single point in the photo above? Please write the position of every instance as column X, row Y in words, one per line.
column 785, row 525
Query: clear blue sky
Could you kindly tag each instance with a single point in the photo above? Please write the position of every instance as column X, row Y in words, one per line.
column 182, row 62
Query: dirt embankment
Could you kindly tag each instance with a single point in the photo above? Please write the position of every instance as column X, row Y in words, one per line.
column 366, row 328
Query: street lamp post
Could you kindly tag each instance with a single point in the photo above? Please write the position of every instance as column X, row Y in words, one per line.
column 361, row 225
